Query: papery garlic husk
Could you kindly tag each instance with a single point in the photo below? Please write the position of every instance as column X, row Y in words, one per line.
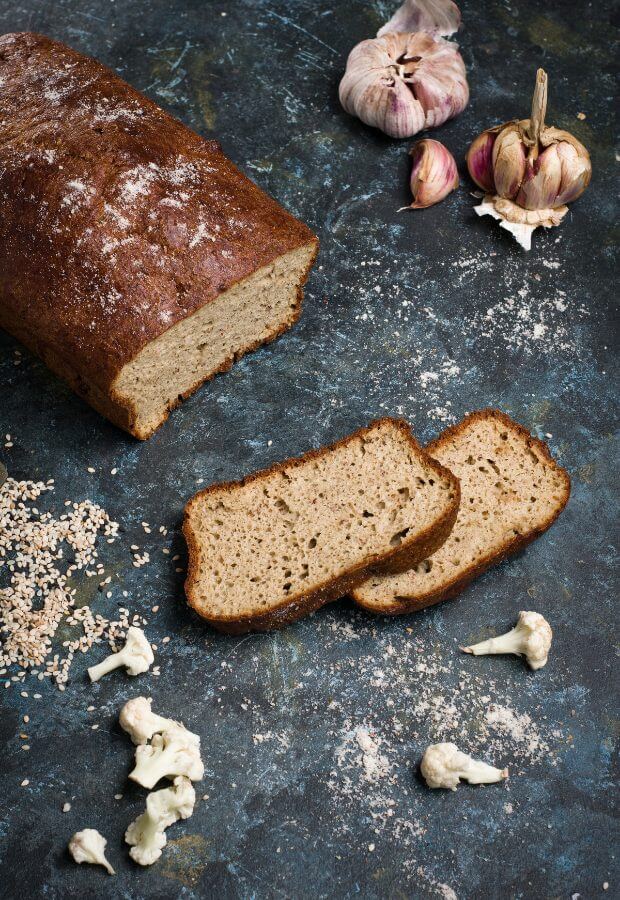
column 402, row 83
column 434, row 174
column 537, row 167
column 436, row 17
column 521, row 223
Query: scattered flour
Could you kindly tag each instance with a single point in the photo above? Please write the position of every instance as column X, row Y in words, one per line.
column 420, row 694
column 537, row 314
column 374, row 765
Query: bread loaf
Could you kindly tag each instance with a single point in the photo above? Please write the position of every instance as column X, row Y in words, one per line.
column 511, row 492
column 277, row 545
column 135, row 259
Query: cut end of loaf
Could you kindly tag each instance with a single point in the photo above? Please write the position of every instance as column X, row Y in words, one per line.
column 273, row 547
column 252, row 312
column 512, row 491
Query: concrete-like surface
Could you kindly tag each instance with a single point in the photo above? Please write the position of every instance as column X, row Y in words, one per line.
column 426, row 315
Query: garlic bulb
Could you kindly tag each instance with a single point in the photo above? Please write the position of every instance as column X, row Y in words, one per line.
column 402, row 83
column 433, row 175
column 438, row 17
column 528, row 170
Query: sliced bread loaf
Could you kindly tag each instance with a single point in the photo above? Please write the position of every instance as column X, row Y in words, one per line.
column 266, row 550
column 511, row 492
column 135, row 258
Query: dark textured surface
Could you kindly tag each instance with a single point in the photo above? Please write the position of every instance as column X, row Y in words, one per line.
column 281, row 819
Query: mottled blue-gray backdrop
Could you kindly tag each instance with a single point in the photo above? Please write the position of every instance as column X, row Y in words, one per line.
column 427, row 315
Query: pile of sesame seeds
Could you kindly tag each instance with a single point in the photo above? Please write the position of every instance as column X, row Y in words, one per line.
column 40, row 553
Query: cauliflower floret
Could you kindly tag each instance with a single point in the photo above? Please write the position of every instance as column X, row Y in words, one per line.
column 140, row 723
column 176, row 751
column 443, row 765
column 531, row 637
column 88, row 846
column 163, row 808
column 137, row 656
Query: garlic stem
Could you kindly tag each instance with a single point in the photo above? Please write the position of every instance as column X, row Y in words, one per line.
column 539, row 109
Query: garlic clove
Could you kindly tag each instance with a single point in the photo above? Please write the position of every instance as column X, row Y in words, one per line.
column 441, row 98
column 437, row 17
column 479, row 160
column 541, row 181
column 434, row 174
column 576, row 172
column 393, row 110
column 508, row 162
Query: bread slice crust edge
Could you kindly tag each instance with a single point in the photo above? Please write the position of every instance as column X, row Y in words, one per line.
column 458, row 584
column 408, row 554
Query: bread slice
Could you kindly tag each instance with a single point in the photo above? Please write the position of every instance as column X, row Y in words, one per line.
column 511, row 492
column 266, row 550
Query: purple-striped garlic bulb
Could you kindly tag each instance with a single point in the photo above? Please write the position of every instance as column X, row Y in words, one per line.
column 433, row 174
column 529, row 171
column 404, row 81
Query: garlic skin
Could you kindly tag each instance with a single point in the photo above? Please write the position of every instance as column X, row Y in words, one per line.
column 402, row 83
column 521, row 223
column 530, row 166
column 436, row 17
column 434, row 174
column 479, row 160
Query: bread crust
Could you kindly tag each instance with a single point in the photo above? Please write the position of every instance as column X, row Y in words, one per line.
column 116, row 220
column 397, row 559
column 457, row 585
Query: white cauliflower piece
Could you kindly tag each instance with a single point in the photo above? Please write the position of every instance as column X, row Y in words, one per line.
column 140, row 723
column 443, row 765
column 88, row 846
column 137, row 656
column 176, row 751
column 531, row 637
column 146, row 834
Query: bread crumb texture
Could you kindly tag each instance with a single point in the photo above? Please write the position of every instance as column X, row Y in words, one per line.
column 511, row 491
column 280, row 535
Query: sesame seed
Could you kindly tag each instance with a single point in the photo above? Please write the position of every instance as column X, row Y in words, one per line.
column 34, row 544
column 165, row 640
column 25, row 783
column 66, row 807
